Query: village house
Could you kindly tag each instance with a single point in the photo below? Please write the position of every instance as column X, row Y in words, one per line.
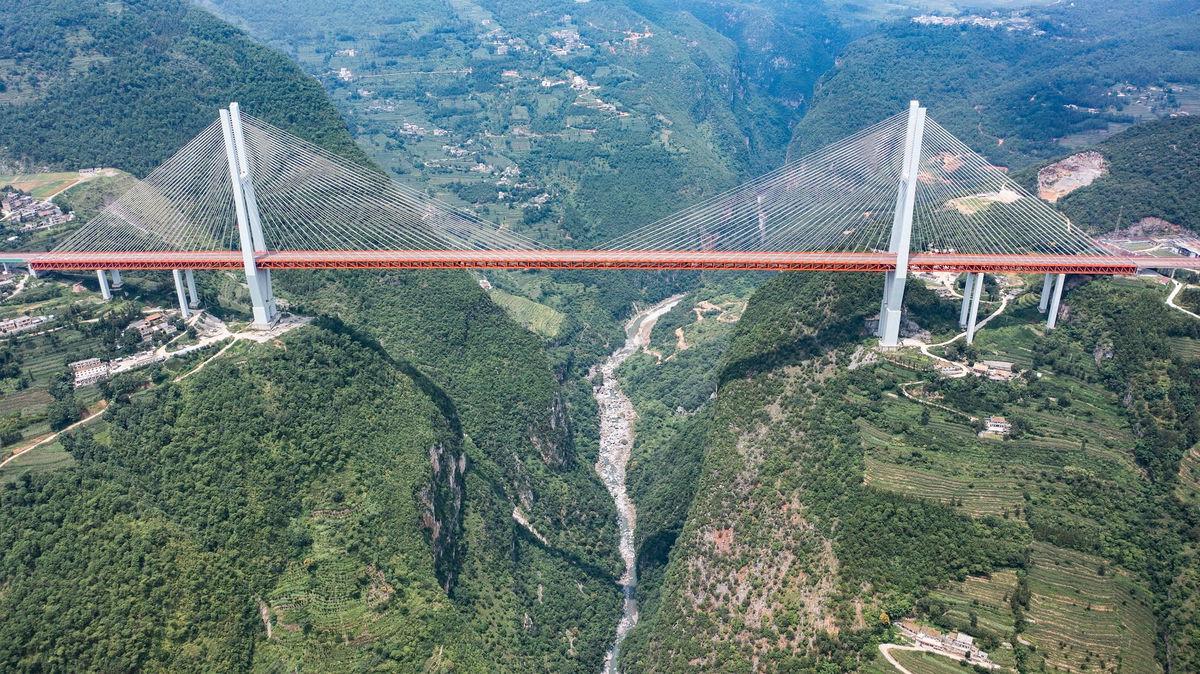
column 89, row 371
column 151, row 324
column 997, row 426
column 959, row 644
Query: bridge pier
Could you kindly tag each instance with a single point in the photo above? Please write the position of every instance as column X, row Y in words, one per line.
column 105, row 291
column 1052, row 317
column 179, row 292
column 902, row 224
column 963, row 313
column 1046, row 287
column 193, row 298
column 976, row 291
column 116, row 278
column 249, row 223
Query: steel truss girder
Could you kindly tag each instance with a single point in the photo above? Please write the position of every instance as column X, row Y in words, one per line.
column 650, row 260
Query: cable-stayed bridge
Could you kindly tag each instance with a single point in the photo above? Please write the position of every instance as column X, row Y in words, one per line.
column 902, row 195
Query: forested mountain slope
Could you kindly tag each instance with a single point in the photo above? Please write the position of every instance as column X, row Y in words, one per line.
column 125, row 84
column 830, row 502
column 1151, row 171
column 580, row 120
column 1022, row 86
column 246, row 490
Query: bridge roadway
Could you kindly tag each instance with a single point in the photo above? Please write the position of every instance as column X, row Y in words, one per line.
column 601, row 259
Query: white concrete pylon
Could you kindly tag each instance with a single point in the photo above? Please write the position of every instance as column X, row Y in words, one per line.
column 105, row 292
column 971, row 320
column 902, row 224
column 116, row 278
column 968, row 286
column 1052, row 317
column 179, row 292
column 249, row 225
column 193, row 297
column 1045, row 300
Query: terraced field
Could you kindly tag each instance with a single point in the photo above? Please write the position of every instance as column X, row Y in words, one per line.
column 47, row 457
column 987, row 598
column 928, row 663
column 1186, row 347
column 1084, row 620
column 992, row 498
column 541, row 319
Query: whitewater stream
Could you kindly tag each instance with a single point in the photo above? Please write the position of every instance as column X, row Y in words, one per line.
column 616, row 443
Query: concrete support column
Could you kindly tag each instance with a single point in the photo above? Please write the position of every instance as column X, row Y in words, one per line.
column 1052, row 317
column 33, row 272
column 1045, row 302
column 976, row 291
column 968, row 287
column 193, row 297
column 105, row 292
column 179, row 292
column 116, row 278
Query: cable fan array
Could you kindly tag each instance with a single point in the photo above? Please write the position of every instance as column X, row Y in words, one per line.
column 186, row 204
column 967, row 205
column 838, row 199
column 308, row 199
column 842, row 199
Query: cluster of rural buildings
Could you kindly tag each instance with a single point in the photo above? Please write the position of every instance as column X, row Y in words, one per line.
column 28, row 214
column 995, row 370
column 19, row 324
column 956, row 644
column 92, row 370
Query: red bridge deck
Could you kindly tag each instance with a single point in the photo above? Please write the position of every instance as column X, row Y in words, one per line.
column 567, row 259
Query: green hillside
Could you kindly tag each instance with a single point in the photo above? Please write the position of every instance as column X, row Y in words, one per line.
column 453, row 553
column 825, row 498
column 126, row 84
column 674, row 101
column 1064, row 75
column 1153, row 172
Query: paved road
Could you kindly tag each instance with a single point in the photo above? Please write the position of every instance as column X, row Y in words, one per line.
column 1174, row 293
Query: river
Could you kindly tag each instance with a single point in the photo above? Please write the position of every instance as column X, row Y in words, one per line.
column 616, row 444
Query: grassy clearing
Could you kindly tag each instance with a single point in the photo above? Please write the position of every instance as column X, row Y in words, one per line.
column 41, row 185
column 47, row 457
column 541, row 319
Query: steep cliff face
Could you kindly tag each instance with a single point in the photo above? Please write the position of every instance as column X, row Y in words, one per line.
column 441, row 502
column 552, row 438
